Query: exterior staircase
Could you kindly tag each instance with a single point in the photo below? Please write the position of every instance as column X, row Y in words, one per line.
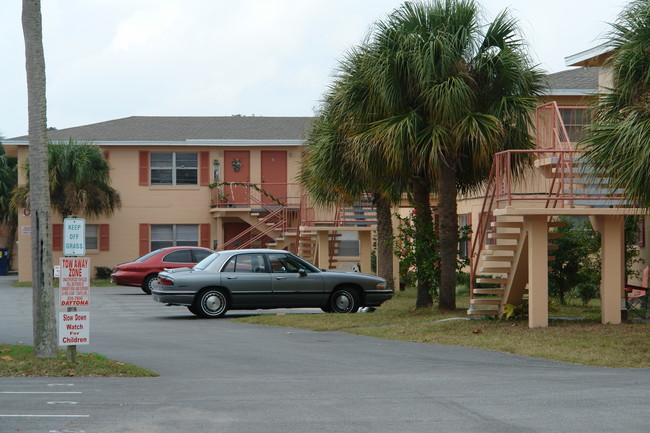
column 499, row 256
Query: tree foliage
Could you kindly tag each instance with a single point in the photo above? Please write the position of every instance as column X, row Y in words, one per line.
column 620, row 131
column 78, row 179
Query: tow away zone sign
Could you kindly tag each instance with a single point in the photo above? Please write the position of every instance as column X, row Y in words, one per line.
column 74, row 282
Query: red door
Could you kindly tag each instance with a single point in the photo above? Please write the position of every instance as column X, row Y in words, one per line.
column 231, row 230
column 274, row 175
column 237, row 170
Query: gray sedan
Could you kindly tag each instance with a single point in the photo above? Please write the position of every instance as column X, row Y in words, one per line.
column 251, row 279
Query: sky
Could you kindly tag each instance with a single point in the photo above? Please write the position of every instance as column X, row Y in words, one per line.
column 109, row 59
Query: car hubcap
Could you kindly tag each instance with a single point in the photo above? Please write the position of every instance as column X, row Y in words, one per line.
column 342, row 303
column 212, row 303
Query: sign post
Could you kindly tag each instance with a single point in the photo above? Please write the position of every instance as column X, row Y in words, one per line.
column 74, row 287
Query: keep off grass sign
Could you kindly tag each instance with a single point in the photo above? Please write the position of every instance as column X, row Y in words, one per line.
column 74, row 281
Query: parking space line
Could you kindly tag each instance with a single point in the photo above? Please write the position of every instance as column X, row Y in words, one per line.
column 40, row 392
column 43, row 416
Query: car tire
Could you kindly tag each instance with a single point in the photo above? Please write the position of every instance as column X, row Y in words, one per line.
column 148, row 283
column 344, row 300
column 211, row 303
column 327, row 308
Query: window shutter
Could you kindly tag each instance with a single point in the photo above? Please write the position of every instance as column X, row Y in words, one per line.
column 57, row 237
column 204, row 171
column 144, row 167
column 144, row 239
column 104, row 237
column 205, row 236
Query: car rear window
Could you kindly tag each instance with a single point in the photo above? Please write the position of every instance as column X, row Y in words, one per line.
column 147, row 256
column 200, row 255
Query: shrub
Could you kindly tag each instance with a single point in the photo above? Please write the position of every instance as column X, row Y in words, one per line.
column 103, row 272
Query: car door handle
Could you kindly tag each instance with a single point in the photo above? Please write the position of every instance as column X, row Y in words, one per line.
column 231, row 278
column 280, row 278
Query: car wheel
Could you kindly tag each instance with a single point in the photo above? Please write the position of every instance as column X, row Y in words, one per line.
column 193, row 310
column 327, row 308
column 149, row 283
column 344, row 300
column 211, row 303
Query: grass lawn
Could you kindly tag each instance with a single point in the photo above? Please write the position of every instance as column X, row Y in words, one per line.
column 19, row 361
column 585, row 341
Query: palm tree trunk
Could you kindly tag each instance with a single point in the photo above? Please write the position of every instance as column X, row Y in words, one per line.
column 384, row 242
column 423, row 221
column 43, row 301
column 448, row 235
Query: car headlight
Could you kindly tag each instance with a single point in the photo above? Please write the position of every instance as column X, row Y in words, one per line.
column 381, row 285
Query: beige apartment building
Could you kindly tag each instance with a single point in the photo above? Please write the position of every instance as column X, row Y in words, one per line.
column 163, row 168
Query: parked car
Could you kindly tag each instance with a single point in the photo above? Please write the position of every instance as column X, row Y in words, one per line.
column 251, row 279
column 143, row 272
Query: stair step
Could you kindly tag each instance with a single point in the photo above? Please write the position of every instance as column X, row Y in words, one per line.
column 502, row 247
column 498, row 258
column 555, row 235
column 488, row 280
column 510, row 224
column 551, row 258
column 556, row 224
column 496, row 270
column 504, row 235
column 486, row 301
column 482, row 312
column 494, row 291
column 552, row 247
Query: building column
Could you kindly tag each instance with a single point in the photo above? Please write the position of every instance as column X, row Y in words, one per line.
column 323, row 249
column 365, row 251
column 612, row 273
column 537, row 229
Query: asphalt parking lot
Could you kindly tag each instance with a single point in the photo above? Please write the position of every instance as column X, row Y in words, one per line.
column 221, row 376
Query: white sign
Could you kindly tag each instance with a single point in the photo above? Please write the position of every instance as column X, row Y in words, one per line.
column 74, row 328
column 74, row 237
column 74, row 281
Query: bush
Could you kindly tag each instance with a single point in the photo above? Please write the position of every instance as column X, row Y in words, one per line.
column 103, row 272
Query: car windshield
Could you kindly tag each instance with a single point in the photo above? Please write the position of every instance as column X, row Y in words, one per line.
column 206, row 262
column 147, row 256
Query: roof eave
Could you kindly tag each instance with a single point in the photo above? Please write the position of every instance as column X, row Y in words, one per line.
column 595, row 56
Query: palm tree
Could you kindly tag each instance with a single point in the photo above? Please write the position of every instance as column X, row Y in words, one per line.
column 44, row 311
column 8, row 215
column 448, row 95
column 331, row 177
column 617, row 146
column 78, row 179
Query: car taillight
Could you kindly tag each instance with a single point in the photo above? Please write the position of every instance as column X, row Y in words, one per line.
column 165, row 281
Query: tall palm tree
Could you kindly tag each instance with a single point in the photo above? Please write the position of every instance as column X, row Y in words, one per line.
column 44, row 310
column 450, row 93
column 331, row 177
column 617, row 146
column 78, row 179
column 8, row 215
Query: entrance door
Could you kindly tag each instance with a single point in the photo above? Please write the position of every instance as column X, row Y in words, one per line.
column 274, row 175
column 238, row 170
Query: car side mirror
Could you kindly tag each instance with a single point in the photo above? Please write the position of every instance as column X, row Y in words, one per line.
column 302, row 272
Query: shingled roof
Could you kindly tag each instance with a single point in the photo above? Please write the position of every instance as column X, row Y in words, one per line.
column 584, row 80
column 150, row 128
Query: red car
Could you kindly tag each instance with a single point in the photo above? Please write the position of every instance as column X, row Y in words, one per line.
column 143, row 272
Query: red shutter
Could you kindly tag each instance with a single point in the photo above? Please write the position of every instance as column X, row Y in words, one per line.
column 57, row 237
column 205, row 236
column 104, row 244
column 204, row 171
column 144, row 239
column 144, row 167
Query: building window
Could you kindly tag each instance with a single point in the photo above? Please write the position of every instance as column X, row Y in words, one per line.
column 174, row 235
column 92, row 236
column 575, row 122
column 174, row 168
column 464, row 226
